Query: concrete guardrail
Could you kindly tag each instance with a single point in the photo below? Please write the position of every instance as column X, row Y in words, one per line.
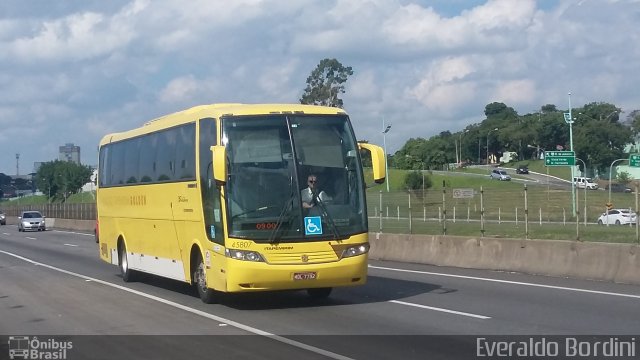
column 583, row 260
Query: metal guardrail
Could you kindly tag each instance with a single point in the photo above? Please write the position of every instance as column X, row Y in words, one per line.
column 79, row 211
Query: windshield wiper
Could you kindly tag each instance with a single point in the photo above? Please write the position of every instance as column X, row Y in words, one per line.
column 262, row 208
column 325, row 214
column 285, row 210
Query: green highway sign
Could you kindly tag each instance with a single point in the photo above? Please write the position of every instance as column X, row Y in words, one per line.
column 634, row 160
column 560, row 158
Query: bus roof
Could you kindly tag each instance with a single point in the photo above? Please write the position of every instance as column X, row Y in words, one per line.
column 216, row 111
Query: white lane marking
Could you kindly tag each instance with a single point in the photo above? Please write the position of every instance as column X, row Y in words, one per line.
column 6, row 234
column 441, row 309
column 191, row 310
column 74, row 245
column 508, row 282
column 30, row 238
column 72, row 232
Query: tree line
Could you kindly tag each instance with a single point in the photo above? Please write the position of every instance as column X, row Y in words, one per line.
column 599, row 137
column 57, row 180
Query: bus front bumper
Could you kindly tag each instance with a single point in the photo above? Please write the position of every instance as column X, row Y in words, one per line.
column 246, row 276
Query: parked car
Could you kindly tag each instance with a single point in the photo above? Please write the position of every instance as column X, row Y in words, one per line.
column 3, row 218
column 617, row 217
column 500, row 175
column 522, row 169
column 31, row 220
column 618, row 188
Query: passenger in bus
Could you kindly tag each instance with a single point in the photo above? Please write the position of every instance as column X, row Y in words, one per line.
column 310, row 195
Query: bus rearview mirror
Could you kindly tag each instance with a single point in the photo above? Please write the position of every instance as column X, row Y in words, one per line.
column 219, row 156
column 377, row 160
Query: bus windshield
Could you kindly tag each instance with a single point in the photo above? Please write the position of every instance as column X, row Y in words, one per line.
column 271, row 159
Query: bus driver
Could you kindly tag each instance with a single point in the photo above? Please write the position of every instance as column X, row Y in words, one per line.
column 310, row 195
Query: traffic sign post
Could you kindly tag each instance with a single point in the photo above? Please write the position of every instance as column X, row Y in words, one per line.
column 559, row 158
column 634, row 160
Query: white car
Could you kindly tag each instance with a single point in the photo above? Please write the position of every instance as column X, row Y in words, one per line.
column 500, row 175
column 617, row 217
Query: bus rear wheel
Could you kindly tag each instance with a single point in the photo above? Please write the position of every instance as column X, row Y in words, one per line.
column 319, row 293
column 128, row 275
column 207, row 295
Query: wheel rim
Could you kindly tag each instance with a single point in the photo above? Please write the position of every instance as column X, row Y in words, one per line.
column 124, row 264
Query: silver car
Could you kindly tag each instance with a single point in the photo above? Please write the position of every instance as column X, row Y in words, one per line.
column 500, row 175
column 3, row 219
column 31, row 220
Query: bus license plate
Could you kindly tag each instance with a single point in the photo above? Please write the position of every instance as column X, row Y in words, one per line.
column 304, row 276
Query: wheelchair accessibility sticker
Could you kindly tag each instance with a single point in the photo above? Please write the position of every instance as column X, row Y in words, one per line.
column 312, row 225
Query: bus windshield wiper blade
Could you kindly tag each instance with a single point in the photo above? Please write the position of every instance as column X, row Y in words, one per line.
column 262, row 208
column 326, row 215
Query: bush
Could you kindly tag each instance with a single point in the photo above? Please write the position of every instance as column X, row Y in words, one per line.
column 413, row 181
column 624, row 177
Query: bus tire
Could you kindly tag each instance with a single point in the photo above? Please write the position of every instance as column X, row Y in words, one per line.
column 207, row 295
column 319, row 293
column 128, row 275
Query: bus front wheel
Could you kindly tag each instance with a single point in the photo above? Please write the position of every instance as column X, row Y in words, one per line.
column 207, row 295
column 319, row 293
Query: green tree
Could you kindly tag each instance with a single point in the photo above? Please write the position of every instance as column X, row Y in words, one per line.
column 59, row 179
column 624, row 177
column 633, row 120
column 325, row 83
column 598, row 136
column 5, row 179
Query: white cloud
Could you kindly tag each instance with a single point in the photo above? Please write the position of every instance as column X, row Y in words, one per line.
column 516, row 92
column 182, row 89
column 86, row 69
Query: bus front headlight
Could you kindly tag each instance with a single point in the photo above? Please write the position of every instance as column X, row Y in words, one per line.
column 245, row 255
column 355, row 250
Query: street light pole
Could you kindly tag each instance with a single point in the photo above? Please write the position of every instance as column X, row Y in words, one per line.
column 460, row 146
column 610, row 170
column 384, row 144
column 584, row 166
column 488, row 143
column 573, row 187
column 609, row 204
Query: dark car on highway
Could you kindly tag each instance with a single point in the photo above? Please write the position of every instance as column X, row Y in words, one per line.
column 522, row 169
column 618, row 188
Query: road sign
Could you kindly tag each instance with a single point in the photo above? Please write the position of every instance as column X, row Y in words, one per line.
column 559, row 158
column 567, row 118
column 634, row 160
column 463, row 193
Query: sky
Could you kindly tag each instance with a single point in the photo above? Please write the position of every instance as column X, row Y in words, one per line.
column 75, row 70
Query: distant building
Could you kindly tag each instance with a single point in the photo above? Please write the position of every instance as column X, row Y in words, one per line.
column 69, row 152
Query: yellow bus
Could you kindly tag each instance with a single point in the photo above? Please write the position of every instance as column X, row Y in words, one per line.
column 218, row 196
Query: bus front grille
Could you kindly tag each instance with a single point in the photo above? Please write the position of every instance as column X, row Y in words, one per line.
column 302, row 257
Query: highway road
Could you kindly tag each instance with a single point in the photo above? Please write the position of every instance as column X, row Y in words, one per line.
column 52, row 284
